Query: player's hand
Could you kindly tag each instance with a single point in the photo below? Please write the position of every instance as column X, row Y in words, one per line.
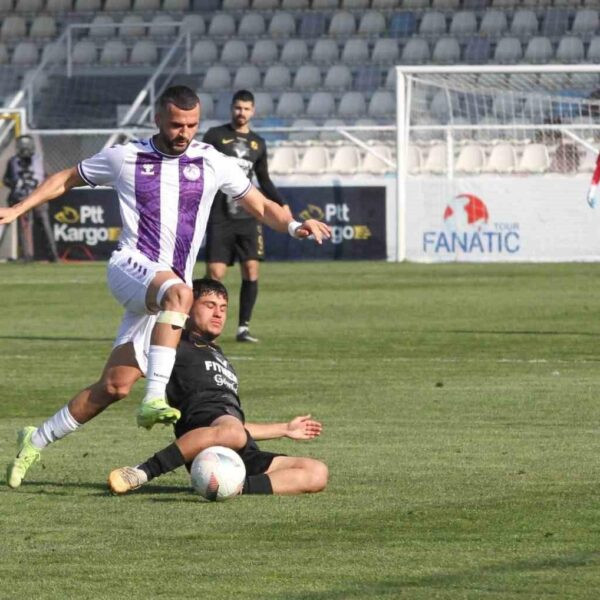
column 7, row 215
column 315, row 229
column 303, row 428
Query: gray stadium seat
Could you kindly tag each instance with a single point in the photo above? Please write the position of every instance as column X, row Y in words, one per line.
column 593, row 53
column 235, row 5
column 30, row 6
column 493, row 23
column 324, row 4
column 556, row 22
column 352, row 104
column 346, row 160
column 355, row 4
column 234, row 52
column 342, row 24
column 263, row 105
column 193, row 23
column 204, row 52
column 320, row 104
column 43, row 27
column 106, row 28
column 277, row 77
column 355, row 51
column 217, row 79
column 433, row 23
column 325, row 52
column 506, row 106
column 295, row 4
column 332, row 136
column 144, row 52
column 222, row 24
column 252, row 24
column 6, row 6
column 312, row 25
column 508, row 51
column 13, row 27
column 445, row 4
column 59, row 6
column 282, row 24
column 84, row 53
column 175, row 5
column 338, row 77
column 162, row 26
column 390, row 79
column 524, row 23
column 55, row 53
column 446, row 51
column 442, row 105
column 570, row 50
column 415, row 52
column 372, row 23
column 308, row 77
column 247, row 77
column 415, row 4
column 585, row 22
column 539, row 50
column 294, row 52
column 207, row 105
column 114, row 52
column 25, row 53
column 386, row 51
column 132, row 26
column 264, row 52
column 146, row 5
column 385, row 4
column 382, row 104
column 115, row 5
column 290, row 105
column 463, row 22
column 3, row 54
column 265, row 4
column 477, row 50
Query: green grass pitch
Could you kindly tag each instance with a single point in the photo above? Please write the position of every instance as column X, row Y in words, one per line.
column 460, row 406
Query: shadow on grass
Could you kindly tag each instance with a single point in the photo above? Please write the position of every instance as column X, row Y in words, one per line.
column 523, row 332
column 52, row 338
column 58, row 488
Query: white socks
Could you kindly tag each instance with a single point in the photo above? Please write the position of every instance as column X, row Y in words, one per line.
column 160, row 364
column 55, row 428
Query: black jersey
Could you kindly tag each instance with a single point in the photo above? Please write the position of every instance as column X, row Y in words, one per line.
column 250, row 150
column 201, row 376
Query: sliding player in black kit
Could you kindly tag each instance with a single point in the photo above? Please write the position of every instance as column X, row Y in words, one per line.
column 232, row 232
column 204, row 387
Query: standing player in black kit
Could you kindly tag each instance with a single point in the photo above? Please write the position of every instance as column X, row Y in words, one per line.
column 232, row 232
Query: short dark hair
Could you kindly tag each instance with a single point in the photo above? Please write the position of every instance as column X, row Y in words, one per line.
column 243, row 96
column 206, row 285
column 181, row 96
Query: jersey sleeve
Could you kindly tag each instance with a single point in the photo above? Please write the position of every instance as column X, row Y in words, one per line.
column 103, row 168
column 231, row 179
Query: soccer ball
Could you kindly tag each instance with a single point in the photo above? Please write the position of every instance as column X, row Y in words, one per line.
column 218, row 473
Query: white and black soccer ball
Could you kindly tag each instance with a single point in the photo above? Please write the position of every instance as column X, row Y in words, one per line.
column 218, row 473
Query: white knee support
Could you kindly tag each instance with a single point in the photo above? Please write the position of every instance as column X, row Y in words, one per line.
column 170, row 317
column 162, row 290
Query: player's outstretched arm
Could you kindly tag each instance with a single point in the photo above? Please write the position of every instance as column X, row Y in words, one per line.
column 279, row 219
column 299, row 428
column 53, row 187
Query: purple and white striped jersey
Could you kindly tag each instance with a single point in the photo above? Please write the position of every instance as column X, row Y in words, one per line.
column 165, row 200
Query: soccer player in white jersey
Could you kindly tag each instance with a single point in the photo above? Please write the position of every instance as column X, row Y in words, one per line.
column 165, row 186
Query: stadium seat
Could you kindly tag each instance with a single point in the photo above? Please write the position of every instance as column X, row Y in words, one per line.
column 386, row 51
column 524, row 23
column 30, row 6
column 503, row 158
column 382, row 105
column 222, row 24
column 414, row 159
column 355, row 51
column 436, row 160
column 132, row 26
column 175, row 5
column 115, row 5
column 320, row 104
column 193, row 23
column 294, row 52
column 144, row 52
column 265, row 4
column 204, row 52
column 282, row 25
column 3, row 54
column 308, row 77
column 295, row 4
column 593, row 52
column 84, row 53
column 346, row 160
column 367, row 78
column 371, row 163
column 433, row 24
column 416, row 4
column 312, row 25
column 506, row 106
column 372, row 23
column 443, row 105
column 216, row 79
column 352, row 104
column 446, row 51
column 570, row 50
column 43, row 27
column 415, row 52
column 585, row 22
column 535, row 159
column 290, row 105
column 13, row 27
column 114, row 52
column 324, row 4
column 207, row 104
column 235, row 5
column 315, row 160
column 247, row 77
column 556, row 22
column 325, row 52
column 503, row 4
column 252, row 24
column 162, row 26
column 25, row 53
column 446, row 5
column 342, row 24
column 105, row 27
column 475, row 4
column 426, row 135
column 403, row 24
column 493, row 23
column 55, row 53
column 59, row 6
column 302, row 136
column 463, row 22
column 357, row 5
column 338, row 77
column 331, row 136
column 284, row 161
column 471, row 159
column 508, row 51
column 385, row 4
column 264, row 52
column 477, row 51
column 263, row 104
column 390, row 79
column 146, row 5
column 234, row 52
column 539, row 50
column 277, row 77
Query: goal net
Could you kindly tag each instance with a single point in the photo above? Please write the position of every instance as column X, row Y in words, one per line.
column 495, row 162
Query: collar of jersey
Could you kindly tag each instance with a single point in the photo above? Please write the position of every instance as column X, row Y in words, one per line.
column 163, row 153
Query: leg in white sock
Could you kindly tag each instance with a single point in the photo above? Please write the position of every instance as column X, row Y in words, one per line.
column 160, row 364
column 56, row 427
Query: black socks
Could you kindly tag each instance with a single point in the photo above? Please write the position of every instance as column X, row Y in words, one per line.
column 248, row 294
column 165, row 461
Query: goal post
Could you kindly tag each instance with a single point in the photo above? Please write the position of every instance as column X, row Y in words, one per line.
column 466, row 131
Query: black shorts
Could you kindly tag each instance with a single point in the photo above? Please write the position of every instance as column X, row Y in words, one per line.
column 256, row 460
column 240, row 239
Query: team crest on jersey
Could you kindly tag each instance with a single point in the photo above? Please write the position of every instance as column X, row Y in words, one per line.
column 148, row 169
column 191, row 172
column 254, row 145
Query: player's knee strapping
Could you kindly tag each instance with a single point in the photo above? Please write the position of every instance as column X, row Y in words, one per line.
column 170, row 317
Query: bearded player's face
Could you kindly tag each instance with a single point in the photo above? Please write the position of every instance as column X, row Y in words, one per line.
column 177, row 127
column 241, row 112
column 208, row 315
